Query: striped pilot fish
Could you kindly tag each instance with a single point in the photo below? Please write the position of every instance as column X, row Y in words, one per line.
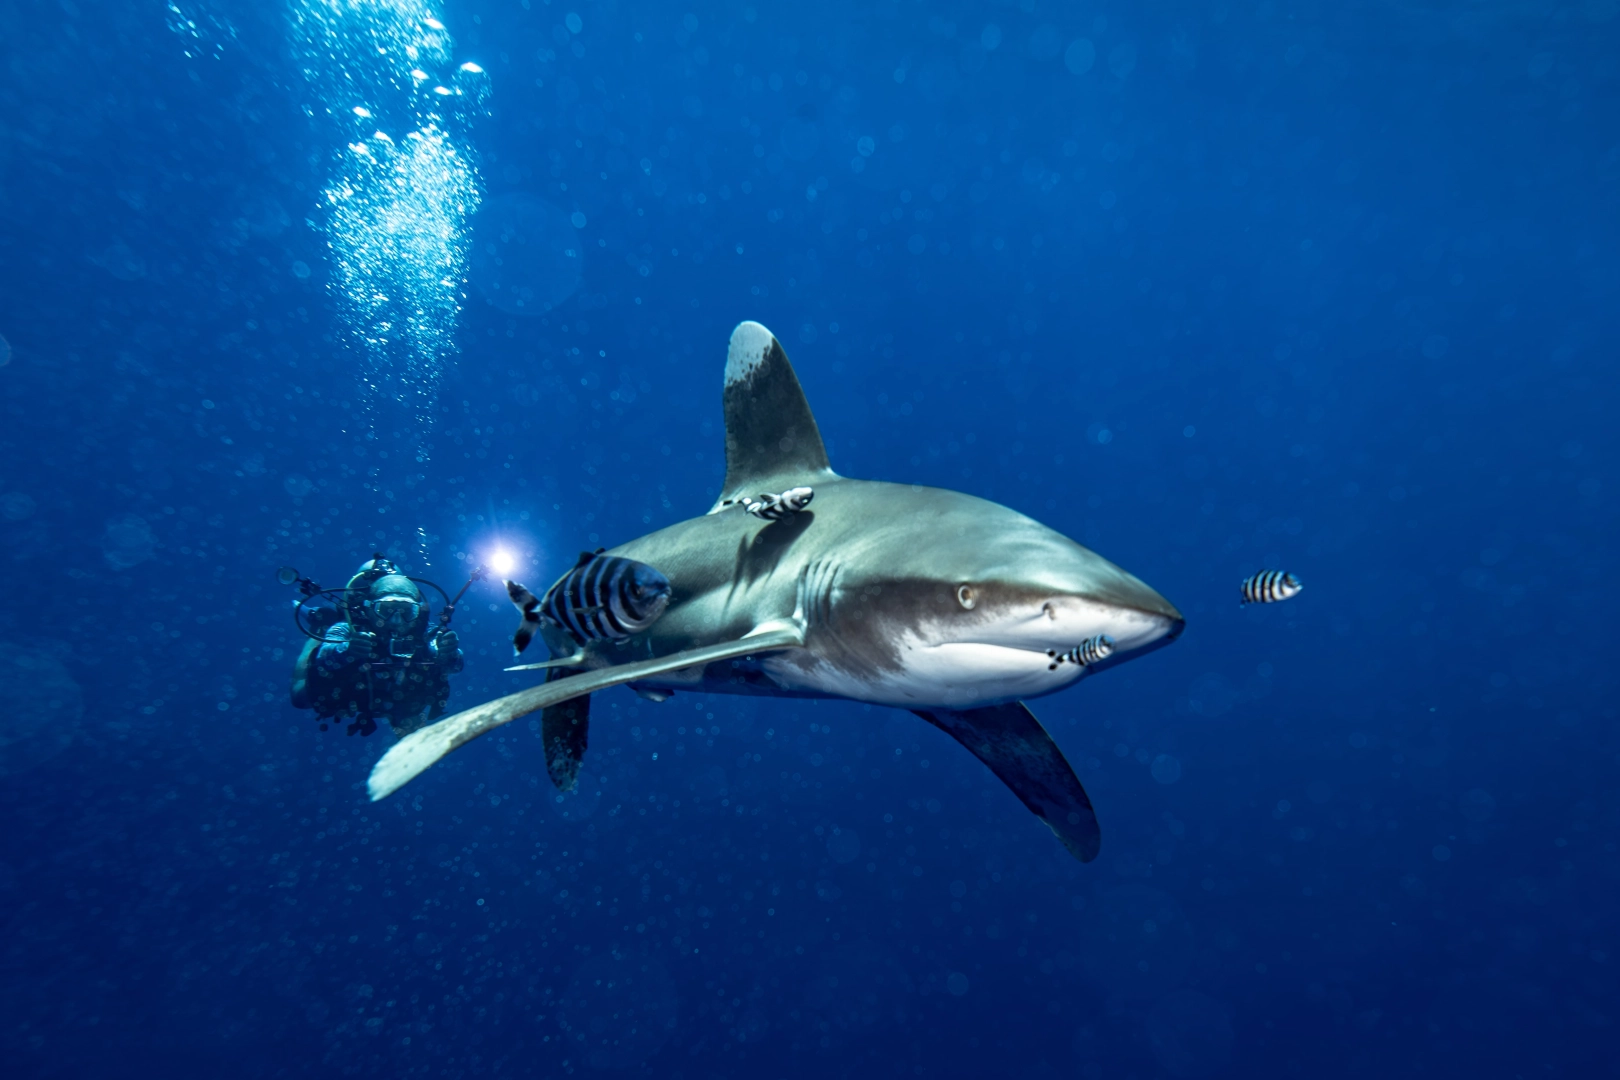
column 777, row 507
column 602, row 598
column 1087, row 652
column 1270, row 587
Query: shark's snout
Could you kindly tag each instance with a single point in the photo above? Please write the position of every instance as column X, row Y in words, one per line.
column 1067, row 594
column 1062, row 621
column 1141, row 617
column 1099, row 590
column 1023, row 588
column 1102, row 583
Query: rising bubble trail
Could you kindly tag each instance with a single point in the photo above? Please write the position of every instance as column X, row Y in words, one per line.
column 402, row 188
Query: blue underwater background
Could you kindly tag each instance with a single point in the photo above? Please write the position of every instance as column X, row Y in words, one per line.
column 1209, row 287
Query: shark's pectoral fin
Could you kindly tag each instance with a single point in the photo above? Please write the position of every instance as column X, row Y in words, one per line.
column 772, row 442
column 1018, row 750
column 420, row 749
column 573, row 659
column 564, row 729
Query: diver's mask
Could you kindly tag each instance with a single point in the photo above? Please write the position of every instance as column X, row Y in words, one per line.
column 396, row 613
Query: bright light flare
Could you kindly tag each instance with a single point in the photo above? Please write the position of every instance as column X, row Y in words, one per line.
column 502, row 562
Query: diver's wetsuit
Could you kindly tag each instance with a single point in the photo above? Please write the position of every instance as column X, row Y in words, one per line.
column 378, row 662
column 351, row 681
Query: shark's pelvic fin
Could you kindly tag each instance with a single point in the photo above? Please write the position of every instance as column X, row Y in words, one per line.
column 564, row 729
column 420, row 749
column 1018, row 750
column 772, row 442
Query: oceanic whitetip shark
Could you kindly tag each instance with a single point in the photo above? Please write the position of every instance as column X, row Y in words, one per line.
column 892, row 594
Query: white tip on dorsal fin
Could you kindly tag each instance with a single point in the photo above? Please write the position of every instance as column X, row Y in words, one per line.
column 749, row 344
column 772, row 443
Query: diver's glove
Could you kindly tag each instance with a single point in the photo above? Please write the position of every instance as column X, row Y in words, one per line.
column 447, row 652
column 363, row 644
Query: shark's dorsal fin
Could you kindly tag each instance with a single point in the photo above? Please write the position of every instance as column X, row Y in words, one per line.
column 772, row 442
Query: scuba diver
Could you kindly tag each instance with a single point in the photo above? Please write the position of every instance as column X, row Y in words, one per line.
column 370, row 655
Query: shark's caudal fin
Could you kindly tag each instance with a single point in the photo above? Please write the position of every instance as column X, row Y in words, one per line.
column 420, row 749
column 1018, row 750
column 772, row 442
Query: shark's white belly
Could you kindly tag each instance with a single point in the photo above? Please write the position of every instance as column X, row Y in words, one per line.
column 953, row 676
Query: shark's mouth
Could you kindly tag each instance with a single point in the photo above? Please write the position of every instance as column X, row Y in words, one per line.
column 1026, row 662
column 964, row 674
column 1128, row 629
column 985, row 656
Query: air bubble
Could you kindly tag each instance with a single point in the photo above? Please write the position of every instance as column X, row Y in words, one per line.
column 398, row 203
column 527, row 258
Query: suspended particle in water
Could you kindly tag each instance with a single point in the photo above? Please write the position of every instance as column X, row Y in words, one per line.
column 527, row 256
column 43, row 708
column 1080, row 56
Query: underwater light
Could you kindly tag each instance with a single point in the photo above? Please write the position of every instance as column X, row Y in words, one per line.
column 501, row 561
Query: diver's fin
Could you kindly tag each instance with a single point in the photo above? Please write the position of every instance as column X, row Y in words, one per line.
column 420, row 749
column 564, row 728
column 772, row 442
column 572, row 660
column 1018, row 750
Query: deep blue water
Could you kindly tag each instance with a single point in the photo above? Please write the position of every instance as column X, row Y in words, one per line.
column 1208, row 287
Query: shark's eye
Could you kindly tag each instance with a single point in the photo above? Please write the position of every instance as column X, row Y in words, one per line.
column 966, row 596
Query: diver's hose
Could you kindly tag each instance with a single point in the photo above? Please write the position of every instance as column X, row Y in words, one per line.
column 478, row 574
